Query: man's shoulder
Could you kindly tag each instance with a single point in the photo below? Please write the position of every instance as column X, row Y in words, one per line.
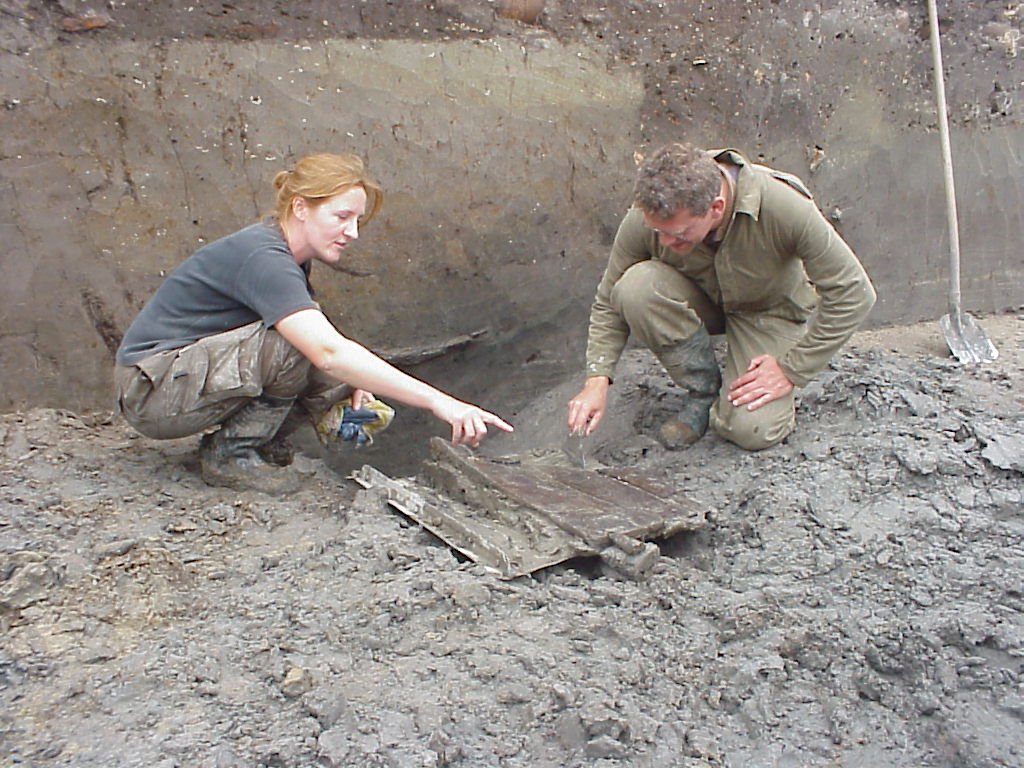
column 759, row 177
column 791, row 181
column 768, row 194
column 632, row 223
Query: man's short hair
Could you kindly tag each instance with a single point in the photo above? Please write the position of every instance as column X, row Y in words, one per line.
column 677, row 177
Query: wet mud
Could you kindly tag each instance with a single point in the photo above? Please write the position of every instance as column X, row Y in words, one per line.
column 855, row 598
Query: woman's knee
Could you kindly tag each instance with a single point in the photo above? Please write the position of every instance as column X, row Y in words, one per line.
column 174, row 426
column 284, row 370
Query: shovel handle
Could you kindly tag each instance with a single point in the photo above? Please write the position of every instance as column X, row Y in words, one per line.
column 947, row 166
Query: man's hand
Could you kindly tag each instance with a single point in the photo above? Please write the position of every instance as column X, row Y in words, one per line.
column 587, row 408
column 763, row 382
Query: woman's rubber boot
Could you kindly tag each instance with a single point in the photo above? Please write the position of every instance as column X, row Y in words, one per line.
column 280, row 451
column 692, row 366
column 230, row 456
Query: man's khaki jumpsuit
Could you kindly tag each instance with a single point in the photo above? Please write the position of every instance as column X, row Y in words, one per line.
column 778, row 262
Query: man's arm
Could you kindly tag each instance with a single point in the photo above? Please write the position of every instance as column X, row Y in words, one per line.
column 844, row 289
column 607, row 332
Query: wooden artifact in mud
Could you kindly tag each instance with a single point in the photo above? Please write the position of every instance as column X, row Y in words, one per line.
column 518, row 516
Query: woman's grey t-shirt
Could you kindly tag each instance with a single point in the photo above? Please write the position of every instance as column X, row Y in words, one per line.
column 247, row 276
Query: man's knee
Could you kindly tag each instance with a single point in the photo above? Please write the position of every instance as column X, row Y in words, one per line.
column 636, row 288
column 752, row 430
column 654, row 300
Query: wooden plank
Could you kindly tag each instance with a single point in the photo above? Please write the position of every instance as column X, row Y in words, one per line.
column 585, row 503
column 511, row 545
column 519, row 517
column 676, row 511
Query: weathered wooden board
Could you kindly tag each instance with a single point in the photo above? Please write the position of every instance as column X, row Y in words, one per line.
column 518, row 517
column 510, row 543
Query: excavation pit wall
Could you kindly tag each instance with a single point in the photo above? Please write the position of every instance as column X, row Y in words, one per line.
column 506, row 152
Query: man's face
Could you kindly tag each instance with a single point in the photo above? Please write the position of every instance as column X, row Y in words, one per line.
column 333, row 224
column 683, row 231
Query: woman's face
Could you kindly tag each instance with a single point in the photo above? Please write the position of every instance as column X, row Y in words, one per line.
column 329, row 227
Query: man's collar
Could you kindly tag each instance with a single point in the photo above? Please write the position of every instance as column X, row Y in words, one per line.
column 746, row 195
column 729, row 190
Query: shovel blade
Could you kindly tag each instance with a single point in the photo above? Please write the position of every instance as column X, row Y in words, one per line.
column 967, row 340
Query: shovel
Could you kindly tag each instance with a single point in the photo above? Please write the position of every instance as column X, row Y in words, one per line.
column 965, row 338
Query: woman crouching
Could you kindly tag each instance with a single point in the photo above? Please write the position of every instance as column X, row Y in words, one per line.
column 234, row 338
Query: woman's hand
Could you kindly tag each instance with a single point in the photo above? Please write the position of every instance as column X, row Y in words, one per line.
column 361, row 397
column 469, row 422
column 309, row 331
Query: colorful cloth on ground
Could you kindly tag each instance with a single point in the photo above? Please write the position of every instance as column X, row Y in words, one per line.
column 344, row 424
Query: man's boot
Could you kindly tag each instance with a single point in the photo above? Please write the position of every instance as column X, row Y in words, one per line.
column 230, row 456
column 692, row 366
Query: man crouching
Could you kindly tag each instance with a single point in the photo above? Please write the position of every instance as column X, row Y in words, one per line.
column 717, row 244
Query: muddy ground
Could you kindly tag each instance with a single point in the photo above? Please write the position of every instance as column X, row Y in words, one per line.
column 855, row 600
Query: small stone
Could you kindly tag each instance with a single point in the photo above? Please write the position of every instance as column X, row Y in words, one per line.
column 470, row 595
column 29, row 584
column 606, row 746
column 526, row 11
column 297, row 681
column 333, row 747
